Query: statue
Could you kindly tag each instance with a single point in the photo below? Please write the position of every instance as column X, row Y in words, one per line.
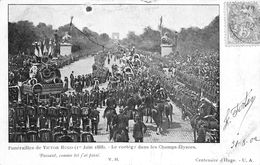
column 66, row 37
column 166, row 40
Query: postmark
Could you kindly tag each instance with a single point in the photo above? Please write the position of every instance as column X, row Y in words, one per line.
column 242, row 23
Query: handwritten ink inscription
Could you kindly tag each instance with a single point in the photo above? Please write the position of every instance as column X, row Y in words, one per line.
column 244, row 141
column 244, row 105
column 241, row 109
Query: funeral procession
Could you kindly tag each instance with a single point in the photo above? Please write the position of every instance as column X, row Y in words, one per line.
column 113, row 73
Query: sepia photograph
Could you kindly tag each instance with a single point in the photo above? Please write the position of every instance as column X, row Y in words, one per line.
column 109, row 73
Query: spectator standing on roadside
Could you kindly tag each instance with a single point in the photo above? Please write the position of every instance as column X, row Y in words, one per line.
column 72, row 79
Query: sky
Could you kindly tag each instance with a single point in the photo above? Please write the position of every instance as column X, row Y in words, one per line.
column 117, row 18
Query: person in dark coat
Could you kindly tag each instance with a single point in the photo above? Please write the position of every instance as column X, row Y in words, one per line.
column 94, row 116
column 72, row 80
column 139, row 130
column 122, row 124
column 66, row 84
column 111, row 103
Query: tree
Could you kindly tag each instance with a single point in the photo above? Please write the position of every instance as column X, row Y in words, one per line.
column 21, row 36
column 44, row 31
column 193, row 38
column 104, row 37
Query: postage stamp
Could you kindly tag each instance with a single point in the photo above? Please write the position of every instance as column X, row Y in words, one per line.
column 242, row 23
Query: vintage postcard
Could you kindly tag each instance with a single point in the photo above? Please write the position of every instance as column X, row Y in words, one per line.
column 130, row 82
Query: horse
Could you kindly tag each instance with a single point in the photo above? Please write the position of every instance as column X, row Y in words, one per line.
column 168, row 110
column 194, row 122
column 156, row 116
column 159, row 106
column 165, row 107
column 108, row 114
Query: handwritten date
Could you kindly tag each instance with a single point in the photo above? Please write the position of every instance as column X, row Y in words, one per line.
column 244, row 141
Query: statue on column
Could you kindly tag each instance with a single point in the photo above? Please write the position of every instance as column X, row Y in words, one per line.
column 166, row 40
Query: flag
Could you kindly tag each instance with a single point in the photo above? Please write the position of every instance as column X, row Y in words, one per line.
column 50, row 51
column 42, row 47
column 36, row 53
column 36, row 50
column 45, row 51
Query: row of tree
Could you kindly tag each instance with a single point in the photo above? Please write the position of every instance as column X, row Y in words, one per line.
column 188, row 39
column 22, row 34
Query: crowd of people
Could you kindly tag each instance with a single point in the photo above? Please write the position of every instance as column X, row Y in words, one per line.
column 74, row 115
column 203, row 64
column 76, row 109
column 19, row 65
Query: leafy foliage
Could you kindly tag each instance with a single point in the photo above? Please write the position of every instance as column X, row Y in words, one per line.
column 22, row 34
column 192, row 39
column 188, row 39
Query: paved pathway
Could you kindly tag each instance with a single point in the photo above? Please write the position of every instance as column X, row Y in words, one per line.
column 180, row 131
